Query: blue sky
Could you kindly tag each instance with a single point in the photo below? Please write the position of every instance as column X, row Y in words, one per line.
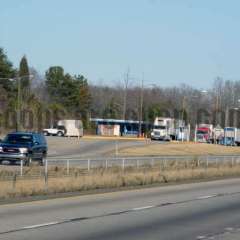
column 170, row 41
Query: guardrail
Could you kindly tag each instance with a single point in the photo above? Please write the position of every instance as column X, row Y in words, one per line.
column 68, row 165
column 138, row 162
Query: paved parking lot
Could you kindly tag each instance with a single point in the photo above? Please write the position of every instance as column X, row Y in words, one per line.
column 88, row 147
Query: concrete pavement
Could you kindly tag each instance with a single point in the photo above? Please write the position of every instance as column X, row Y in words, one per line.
column 190, row 211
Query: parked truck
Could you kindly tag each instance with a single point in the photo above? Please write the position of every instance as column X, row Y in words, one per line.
column 68, row 128
column 231, row 136
column 167, row 129
column 204, row 133
column 163, row 129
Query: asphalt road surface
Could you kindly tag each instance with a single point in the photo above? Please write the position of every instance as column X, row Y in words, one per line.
column 59, row 146
column 190, row 211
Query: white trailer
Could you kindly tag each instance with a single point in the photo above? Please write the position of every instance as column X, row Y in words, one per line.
column 68, row 128
column 73, row 128
column 237, row 136
column 218, row 134
column 183, row 133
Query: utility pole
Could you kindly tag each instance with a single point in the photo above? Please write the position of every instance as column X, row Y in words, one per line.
column 18, row 125
column 141, row 108
column 126, row 82
column 183, row 108
column 181, row 125
column 226, row 116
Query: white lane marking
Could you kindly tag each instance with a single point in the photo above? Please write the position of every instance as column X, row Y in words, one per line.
column 229, row 229
column 206, row 197
column 41, row 225
column 201, row 237
column 142, row 208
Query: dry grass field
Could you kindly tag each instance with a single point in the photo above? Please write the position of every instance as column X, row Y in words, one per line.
column 112, row 178
column 175, row 148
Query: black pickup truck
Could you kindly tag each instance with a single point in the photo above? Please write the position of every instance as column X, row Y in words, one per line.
column 23, row 146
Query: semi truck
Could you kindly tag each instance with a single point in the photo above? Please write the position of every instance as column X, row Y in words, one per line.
column 163, row 129
column 68, row 128
column 204, row 133
column 231, row 136
column 167, row 129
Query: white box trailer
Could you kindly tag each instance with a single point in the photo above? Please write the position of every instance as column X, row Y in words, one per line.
column 73, row 128
column 218, row 134
column 231, row 136
column 237, row 136
column 183, row 133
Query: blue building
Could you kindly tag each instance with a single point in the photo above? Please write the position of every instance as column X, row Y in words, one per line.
column 117, row 127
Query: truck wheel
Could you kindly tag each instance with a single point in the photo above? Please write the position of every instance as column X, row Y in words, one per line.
column 45, row 133
column 60, row 134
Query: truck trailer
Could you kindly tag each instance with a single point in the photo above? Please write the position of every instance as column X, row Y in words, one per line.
column 68, row 128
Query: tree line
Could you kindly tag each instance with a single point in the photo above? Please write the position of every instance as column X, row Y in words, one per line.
column 58, row 94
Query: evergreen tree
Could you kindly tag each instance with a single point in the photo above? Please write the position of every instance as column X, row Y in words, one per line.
column 54, row 81
column 6, row 71
column 24, row 78
column 70, row 92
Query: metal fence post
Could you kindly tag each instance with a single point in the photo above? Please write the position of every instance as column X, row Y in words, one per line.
column 106, row 164
column 232, row 162
column 137, row 164
column 46, row 174
column 14, row 181
column 89, row 165
column 123, row 163
column 21, row 168
column 68, row 165
column 207, row 162
column 116, row 148
column 152, row 162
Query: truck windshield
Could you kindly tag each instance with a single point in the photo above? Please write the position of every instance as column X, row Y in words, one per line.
column 159, row 127
column 17, row 138
column 202, row 132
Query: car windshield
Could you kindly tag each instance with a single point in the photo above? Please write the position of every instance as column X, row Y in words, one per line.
column 17, row 138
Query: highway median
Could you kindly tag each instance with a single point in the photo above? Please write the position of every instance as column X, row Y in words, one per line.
column 77, row 180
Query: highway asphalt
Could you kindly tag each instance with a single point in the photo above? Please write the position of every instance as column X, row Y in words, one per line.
column 209, row 210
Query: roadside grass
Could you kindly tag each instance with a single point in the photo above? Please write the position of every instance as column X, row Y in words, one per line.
column 179, row 148
column 112, row 178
